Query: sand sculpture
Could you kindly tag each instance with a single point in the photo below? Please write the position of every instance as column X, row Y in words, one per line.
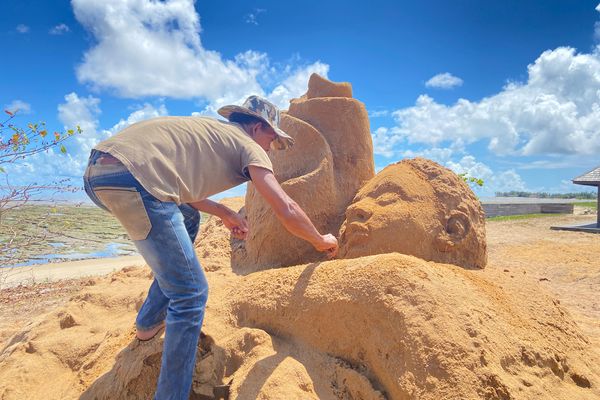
column 384, row 326
column 420, row 208
column 331, row 160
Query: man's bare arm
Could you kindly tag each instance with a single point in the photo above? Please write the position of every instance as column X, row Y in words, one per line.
column 291, row 215
column 232, row 220
column 212, row 207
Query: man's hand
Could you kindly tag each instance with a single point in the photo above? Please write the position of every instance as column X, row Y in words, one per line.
column 328, row 244
column 236, row 224
column 232, row 220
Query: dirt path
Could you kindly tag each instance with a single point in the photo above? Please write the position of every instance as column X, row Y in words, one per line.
column 45, row 273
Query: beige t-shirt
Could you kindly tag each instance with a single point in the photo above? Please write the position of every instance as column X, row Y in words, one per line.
column 186, row 159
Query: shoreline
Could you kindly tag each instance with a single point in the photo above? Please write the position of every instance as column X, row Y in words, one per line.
column 15, row 276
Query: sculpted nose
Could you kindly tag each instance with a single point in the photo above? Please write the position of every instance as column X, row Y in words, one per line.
column 358, row 212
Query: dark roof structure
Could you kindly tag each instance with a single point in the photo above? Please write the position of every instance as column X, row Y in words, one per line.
column 591, row 178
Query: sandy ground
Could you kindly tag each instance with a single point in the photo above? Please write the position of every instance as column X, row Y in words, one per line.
column 565, row 263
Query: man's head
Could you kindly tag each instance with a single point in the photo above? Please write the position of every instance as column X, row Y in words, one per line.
column 256, row 109
column 257, row 129
column 420, row 208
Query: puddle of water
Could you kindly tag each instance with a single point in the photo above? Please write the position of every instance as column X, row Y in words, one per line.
column 111, row 250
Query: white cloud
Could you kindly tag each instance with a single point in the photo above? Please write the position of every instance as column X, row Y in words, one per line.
column 252, row 18
column 80, row 111
column 296, row 83
column 437, row 154
column 84, row 112
column 293, row 85
column 59, row 29
column 598, row 8
column 147, row 111
column 444, row 81
column 557, row 111
column 493, row 181
column 18, row 106
column 148, row 48
column 385, row 141
column 22, row 28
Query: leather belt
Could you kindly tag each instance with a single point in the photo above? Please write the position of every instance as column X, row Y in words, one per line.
column 107, row 159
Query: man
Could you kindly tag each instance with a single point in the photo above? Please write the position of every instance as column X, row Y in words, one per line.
column 154, row 177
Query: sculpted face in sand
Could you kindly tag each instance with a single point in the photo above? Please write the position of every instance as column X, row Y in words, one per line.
column 419, row 208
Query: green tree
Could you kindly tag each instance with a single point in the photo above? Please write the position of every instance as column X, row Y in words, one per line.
column 470, row 180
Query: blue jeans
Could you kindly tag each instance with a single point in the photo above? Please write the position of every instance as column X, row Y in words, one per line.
column 163, row 233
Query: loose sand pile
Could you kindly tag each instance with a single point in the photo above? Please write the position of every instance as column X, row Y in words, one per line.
column 368, row 327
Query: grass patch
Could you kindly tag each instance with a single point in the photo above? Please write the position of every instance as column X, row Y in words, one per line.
column 522, row 216
column 33, row 231
column 588, row 204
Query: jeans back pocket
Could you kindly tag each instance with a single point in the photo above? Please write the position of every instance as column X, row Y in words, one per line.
column 127, row 206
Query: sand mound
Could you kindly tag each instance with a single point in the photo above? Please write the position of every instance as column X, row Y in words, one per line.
column 420, row 208
column 213, row 245
column 322, row 173
column 423, row 330
column 61, row 354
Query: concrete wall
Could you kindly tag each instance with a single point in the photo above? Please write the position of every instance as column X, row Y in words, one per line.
column 495, row 210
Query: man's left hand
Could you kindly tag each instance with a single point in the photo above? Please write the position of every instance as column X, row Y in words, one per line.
column 236, row 224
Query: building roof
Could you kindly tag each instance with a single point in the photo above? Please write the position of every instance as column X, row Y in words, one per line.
column 591, row 178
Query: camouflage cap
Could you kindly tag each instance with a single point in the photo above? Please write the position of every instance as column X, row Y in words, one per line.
column 266, row 112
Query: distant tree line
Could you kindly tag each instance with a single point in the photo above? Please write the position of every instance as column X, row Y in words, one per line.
column 544, row 195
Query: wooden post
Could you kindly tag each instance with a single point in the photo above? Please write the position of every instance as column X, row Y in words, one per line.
column 598, row 209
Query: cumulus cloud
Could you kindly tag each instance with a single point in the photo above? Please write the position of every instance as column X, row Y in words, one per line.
column 59, row 29
column 557, row 111
column 145, row 112
column 148, row 48
column 22, row 28
column 84, row 112
column 444, row 81
column 296, row 83
column 18, row 106
column 386, row 141
column 493, row 181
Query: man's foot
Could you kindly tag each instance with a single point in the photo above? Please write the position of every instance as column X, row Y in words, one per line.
column 144, row 336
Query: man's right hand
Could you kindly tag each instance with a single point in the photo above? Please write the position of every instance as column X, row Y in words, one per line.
column 328, row 244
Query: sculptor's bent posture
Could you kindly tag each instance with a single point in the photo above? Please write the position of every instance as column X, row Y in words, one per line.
column 420, row 208
column 155, row 177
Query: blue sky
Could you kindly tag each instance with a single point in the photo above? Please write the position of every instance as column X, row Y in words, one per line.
column 506, row 91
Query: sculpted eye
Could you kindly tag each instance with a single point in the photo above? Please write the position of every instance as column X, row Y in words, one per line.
column 387, row 198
